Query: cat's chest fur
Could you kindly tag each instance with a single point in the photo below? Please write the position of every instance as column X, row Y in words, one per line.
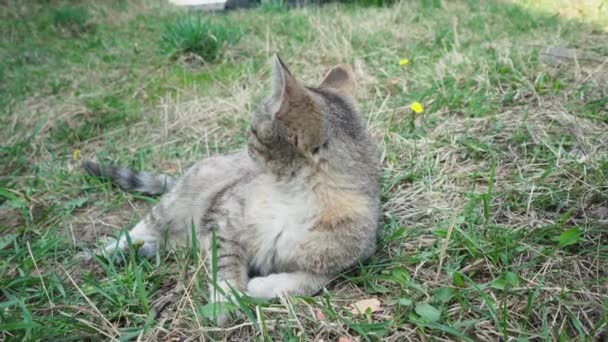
column 279, row 217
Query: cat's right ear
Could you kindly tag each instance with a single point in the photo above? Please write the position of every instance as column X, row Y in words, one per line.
column 285, row 89
column 340, row 79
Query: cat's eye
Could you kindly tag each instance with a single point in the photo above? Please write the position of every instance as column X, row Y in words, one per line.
column 254, row 131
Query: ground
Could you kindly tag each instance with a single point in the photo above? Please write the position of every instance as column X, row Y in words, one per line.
column 495, row 196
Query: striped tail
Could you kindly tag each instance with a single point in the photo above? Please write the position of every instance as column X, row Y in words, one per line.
column 129, row 180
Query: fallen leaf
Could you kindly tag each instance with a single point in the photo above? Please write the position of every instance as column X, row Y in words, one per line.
column 362, row 306
column 569, row 237
column 319, row 315
column 404, row 301
column 427, row 312
column 345, row 339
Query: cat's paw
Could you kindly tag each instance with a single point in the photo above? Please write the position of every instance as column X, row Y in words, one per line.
column 267, row 287
column 223, row 296
column 223, row 292
column 116, row 250
column 223, row 319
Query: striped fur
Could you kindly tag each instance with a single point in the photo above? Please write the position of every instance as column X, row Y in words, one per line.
column 130, row 180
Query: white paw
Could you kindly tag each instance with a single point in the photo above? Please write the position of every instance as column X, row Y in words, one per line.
column 266, row 287
column 144, row 248
column 113, row 251
column 147, row 250
column 114, row 246
column 222, row 294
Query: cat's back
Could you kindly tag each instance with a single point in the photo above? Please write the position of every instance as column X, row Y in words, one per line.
column 207, row 184
column 220, row 168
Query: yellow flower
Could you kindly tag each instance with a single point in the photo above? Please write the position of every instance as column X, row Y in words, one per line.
column 76, row 154
column 404, row 62
column 416, row 107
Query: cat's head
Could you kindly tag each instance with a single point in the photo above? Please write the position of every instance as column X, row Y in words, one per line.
column 300, row 127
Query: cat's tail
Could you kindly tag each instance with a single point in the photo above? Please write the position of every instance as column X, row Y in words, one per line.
column 130, row 180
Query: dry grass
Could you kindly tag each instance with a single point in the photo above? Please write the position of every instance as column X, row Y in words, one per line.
column 510, row 154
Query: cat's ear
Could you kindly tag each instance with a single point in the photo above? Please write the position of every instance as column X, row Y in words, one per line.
column 292, row 105
column 341, row 79
column 285, row 89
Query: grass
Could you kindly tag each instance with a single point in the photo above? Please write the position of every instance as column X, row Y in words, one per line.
column 495, row 197
column 72, row 19
column 198, row 36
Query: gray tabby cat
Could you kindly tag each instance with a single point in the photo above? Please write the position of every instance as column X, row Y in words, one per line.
column 297, row 208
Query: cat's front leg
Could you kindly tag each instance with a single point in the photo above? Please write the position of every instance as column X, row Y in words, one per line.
column 144, row 238
column 325, row 254
column 231, row 277
column 289, row 283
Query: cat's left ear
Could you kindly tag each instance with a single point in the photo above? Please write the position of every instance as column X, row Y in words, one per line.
column 285, row 89
column 341, row 79
column 291, row 104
